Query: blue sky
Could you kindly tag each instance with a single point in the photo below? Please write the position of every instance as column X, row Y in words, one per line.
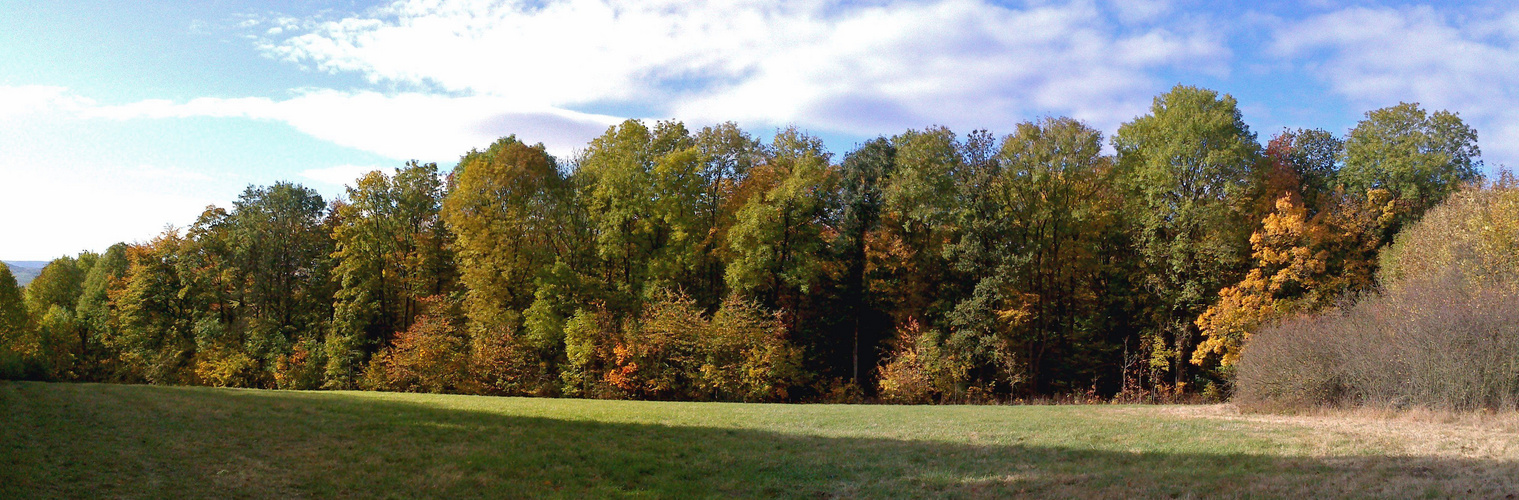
column 118, row 118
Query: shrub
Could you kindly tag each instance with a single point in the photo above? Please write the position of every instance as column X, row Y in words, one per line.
column 589, row 343
column 226, row 368
column 1427, row 342
column 431, row 356
column 674, row 351
column 746, row 355
column 1474, row 233
column 507, row 364
column 919, row 369
column 303, row 368
column 659, row 356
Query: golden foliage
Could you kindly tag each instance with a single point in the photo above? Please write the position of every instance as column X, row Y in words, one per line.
column 226, row 368
column 1302, row 264
column 919, row 369
column 1475, row 233
column 674, row 351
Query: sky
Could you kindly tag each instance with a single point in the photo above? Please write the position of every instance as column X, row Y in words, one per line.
column 119, row 119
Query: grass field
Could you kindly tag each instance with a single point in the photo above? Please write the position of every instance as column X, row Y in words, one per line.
column 89, row 440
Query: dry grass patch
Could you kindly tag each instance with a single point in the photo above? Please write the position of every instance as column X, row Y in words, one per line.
column 1411, row 433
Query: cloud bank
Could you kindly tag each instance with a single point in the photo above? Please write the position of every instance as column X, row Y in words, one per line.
column 445, row 76
column 836, row 66
column 451, row 75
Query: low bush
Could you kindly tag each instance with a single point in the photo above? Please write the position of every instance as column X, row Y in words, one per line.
column 1432, row 343
column 920, row 370
column 431, row 356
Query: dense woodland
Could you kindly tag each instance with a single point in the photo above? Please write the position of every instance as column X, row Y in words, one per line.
column 667, row 263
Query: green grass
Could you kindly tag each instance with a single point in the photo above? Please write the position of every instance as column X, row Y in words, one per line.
column 92, row 440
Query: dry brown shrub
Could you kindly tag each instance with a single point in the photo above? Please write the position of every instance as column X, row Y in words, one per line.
column 1434, row 343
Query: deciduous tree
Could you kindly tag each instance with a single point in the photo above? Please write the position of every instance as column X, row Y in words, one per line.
column 1191, row 168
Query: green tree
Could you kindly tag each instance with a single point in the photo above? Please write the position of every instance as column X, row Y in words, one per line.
column 643, row 190
column 780, row 244
column 505, row 207
column 59, row 284
column 1191, row 168
column 95, row 311
column 679, row 186
column 1313, row 157
column 727, row 155
column 1055, row 192
column 214, row 285
column 922, row 189
column 615, row 176
column 157, row 339
column 777, row 240
column 59, row 339
column 391, row 251
column 922, row 205
column 281, row 247
column 1419, row 157
column 863, row 176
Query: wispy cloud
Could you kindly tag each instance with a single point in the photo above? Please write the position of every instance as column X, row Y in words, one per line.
column 403, row 125
column 1376, row 57
column 22, row 100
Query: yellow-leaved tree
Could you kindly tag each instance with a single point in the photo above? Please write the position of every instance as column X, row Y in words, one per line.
column 1302, row 263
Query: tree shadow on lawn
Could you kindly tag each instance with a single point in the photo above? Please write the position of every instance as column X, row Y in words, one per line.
column 177, row 442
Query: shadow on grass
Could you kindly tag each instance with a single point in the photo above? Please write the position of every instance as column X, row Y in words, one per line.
column 84, row 440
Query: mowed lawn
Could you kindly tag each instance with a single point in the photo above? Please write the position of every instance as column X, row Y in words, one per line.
column 94, row 440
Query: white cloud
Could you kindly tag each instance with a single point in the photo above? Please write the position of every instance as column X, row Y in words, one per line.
column 55, row 211
column 478, row 70
column 837, row 66
column 17, row 101
column 1376, row 57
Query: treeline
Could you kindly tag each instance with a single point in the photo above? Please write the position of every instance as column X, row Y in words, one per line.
column 670, row 264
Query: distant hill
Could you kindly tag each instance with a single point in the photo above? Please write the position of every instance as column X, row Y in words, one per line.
column 25, row 270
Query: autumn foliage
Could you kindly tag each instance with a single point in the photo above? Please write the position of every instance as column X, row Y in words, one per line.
column 1439, row 332
column 430, row 356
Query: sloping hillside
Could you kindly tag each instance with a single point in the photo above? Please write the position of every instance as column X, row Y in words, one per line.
column 25, row 270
